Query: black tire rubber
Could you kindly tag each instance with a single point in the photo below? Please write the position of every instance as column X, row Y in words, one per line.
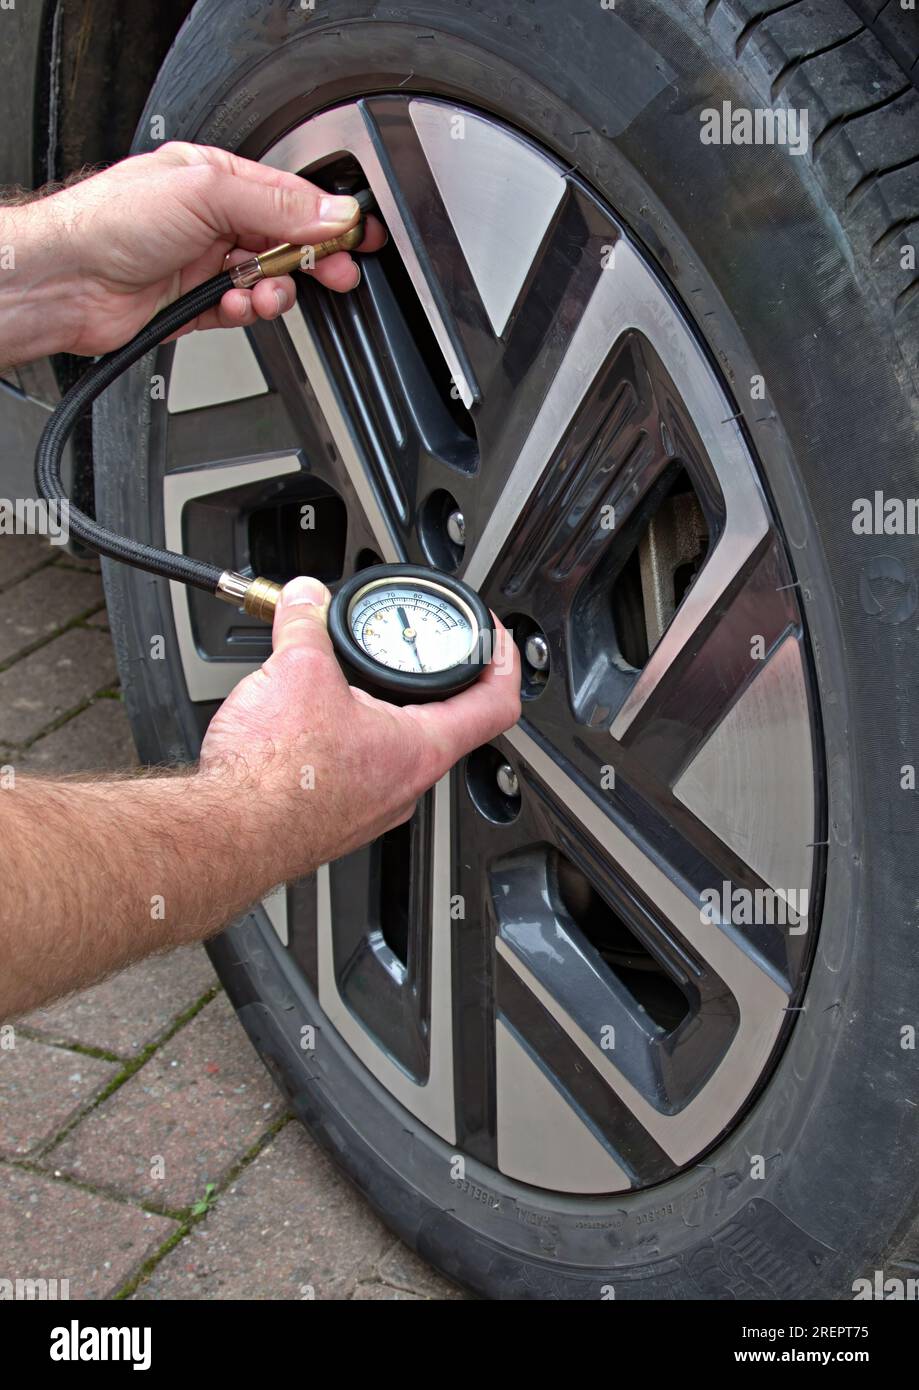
column 791, row 269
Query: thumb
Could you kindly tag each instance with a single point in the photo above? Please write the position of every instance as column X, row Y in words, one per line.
column 294, row 211
column 300, row 617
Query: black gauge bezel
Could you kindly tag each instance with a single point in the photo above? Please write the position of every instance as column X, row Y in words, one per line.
column 407, row 687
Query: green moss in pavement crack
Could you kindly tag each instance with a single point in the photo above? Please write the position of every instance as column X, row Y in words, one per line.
column 83, row 1049
column 50, row 637
column 95, row 1189
column 130, row 1068
column 149, row 1265
column 206, row 1204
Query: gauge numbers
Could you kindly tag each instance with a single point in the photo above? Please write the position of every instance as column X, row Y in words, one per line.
column 412, row 627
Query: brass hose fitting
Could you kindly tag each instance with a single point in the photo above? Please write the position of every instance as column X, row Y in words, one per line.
column 282, row 260
column 258, row 597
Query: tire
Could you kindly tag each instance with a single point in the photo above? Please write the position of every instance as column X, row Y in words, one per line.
column 791, row 271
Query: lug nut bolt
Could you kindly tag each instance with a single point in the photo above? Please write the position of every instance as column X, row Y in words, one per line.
column 536, row 651
column 506, row 778
column 456, row 528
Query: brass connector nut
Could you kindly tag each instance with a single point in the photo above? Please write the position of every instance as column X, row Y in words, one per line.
column 261, row 599
column 257, row 597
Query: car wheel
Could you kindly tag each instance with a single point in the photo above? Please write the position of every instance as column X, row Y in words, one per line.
column 625, row 1010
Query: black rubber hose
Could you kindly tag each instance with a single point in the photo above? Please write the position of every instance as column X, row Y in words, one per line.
column 80, row 398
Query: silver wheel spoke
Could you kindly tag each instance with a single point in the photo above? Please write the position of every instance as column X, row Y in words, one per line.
column 761, row 997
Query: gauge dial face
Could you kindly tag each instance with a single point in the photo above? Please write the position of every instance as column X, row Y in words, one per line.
column 413, row 626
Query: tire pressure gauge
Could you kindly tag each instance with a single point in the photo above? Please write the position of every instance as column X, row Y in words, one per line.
column 408, row 634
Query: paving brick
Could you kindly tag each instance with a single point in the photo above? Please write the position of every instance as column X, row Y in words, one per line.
column 96, row 740
column 199, row 1104
column 56, row 678
column 90, row 563
column 53, row 1230
column 40, row 605
column 289, row 1223
column 19, row 555
column 402, row 1268
column 99, row 619
column 384, row 1292
column 129, row 1011
column 40, row 1088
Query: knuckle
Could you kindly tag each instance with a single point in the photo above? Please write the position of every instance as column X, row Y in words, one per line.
column 202, row 181
column 304, row 657
column 298, row 620
column 405, row 813
column 430, row 765
column 286, row 204
column 182, row 152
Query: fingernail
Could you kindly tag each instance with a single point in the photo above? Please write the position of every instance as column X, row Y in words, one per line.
column 359, row 276
column 283, row 300
column 338, row 212
column 304, row 590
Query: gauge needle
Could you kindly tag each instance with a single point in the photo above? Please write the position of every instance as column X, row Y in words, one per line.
column 409, row 633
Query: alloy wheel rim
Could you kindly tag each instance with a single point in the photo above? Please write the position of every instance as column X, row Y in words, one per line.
column 527, row 967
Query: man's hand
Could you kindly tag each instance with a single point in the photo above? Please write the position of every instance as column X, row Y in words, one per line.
column 326, row 767
column 95, row 261
column 296, row 769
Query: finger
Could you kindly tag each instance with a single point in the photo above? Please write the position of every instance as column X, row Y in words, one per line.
column 182, row 152
column 235, row 310
column 277, row 293
column 337, row 272
column 375, row 235
column 274, row 296
column 454, row 727
column 186, row 152
column 248, row 207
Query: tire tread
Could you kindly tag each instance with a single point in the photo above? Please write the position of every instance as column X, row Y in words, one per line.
column 866, row 156
column 829, row 57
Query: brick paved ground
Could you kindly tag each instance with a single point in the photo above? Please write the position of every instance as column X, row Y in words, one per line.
column 143, row 1149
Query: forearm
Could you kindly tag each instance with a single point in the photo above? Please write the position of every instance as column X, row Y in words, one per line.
column 40, row 307
column 99, row 874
